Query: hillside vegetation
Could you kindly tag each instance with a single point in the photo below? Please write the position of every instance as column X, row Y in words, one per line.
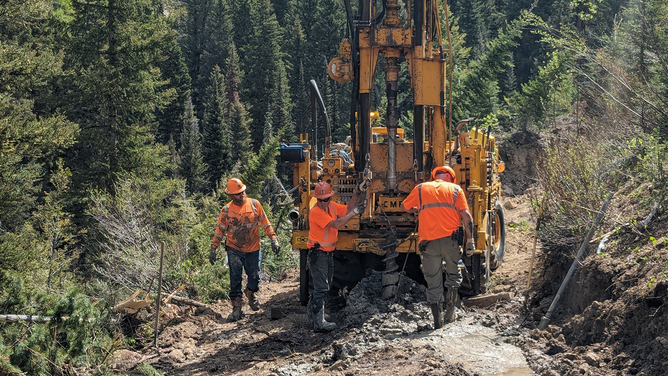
column 121, row 121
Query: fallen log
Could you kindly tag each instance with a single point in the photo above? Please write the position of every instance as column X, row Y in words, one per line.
column 29, row 318
column 486, row 300
column 186, row 301
column 131, row 306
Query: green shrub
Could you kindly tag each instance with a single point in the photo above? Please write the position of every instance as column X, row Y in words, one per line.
column 653, row 167
column 576, row 173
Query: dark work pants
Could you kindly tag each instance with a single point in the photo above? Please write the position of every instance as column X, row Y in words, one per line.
column 444, row 250
column 239, row 261
column 321, row 267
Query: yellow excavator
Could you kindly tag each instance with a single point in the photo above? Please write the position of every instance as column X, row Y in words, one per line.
column 386, row 163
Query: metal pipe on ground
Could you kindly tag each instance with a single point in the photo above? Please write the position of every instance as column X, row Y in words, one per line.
column 548, row 315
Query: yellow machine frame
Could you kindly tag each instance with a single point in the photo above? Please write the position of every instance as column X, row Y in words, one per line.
column 394, row 166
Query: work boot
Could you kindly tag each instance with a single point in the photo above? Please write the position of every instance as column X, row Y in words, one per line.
column 451, row 296
column 236, row 310
column 252, row 300
column 437, row 312
column 319, row 322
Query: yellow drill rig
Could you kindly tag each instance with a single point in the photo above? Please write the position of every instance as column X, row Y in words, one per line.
column 387, row 164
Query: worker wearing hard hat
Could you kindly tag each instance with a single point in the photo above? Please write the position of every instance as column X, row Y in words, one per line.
column 441, row 204
column 324, row 220
column 238, row 222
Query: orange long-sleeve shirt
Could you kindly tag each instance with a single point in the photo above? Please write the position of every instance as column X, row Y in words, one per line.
column 239, row 226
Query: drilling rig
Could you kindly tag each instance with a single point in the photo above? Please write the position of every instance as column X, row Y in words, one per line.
column 387, row 34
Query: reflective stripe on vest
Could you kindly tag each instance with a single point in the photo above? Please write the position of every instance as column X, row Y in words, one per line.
column 336, row 216
column 439, row 204
column 311, row 243
column 254, row 203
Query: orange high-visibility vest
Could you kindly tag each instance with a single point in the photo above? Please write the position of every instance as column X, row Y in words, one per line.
column 438, row 203
column 239, row 225
column 318, row 220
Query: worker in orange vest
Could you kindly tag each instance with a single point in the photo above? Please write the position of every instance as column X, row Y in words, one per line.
column 440, row 205
column 325, row 218
column 238, row 222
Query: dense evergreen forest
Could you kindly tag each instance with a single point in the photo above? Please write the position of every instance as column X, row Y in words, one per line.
column 120, row 122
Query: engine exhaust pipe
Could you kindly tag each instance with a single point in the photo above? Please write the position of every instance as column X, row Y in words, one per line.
column 293, row 216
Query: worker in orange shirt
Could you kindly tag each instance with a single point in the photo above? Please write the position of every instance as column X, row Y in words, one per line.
column 238, row 222
column 325, row 218
column 440, row 205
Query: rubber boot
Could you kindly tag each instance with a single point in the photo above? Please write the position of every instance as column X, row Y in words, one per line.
column 450, row 301
column 319, row 322
column 252, row 300
column 437, row 312
column 236, row 310
column 310, row 314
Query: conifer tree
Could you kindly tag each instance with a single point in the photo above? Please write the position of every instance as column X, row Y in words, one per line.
column 192, row 167
column 235, row 113
column 295, row 42
column 280, row 108
column 242, row 13
column 481, row 96
column 264, row 62
column 282, row 8
column 241, row 143
column 32, row 131
column 233, row 76
column 216, row 141
column 174, row 69
column 261, row 167
column 198, row 16
column 216, row 42
column 114, row 90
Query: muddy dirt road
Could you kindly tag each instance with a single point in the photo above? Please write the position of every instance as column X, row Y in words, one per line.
column 373, row 337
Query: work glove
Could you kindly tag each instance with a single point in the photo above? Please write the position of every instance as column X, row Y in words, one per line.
column 212, row 256
column 275, row 246
column 470, row 248
column 359, row 208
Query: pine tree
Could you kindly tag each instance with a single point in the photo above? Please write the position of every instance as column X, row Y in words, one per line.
column 173, row 68
column 241, row 143
column 192, row 167
column 198, row 16
column 233, row 76
column 115, row 90
column 216, row 41
column 216, row 141
column 235, row 113
column 481, row 95
column 280, row 108
column 264, row 62
column 261, row 167
column 242, row 14
column 282, row 8
column 32, row 131
column 295, row 42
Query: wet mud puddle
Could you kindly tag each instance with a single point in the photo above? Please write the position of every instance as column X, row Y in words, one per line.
column 478, row 348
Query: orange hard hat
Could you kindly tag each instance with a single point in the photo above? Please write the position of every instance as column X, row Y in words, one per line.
column 234, row 186
column 441, row 169
column 323, row 190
